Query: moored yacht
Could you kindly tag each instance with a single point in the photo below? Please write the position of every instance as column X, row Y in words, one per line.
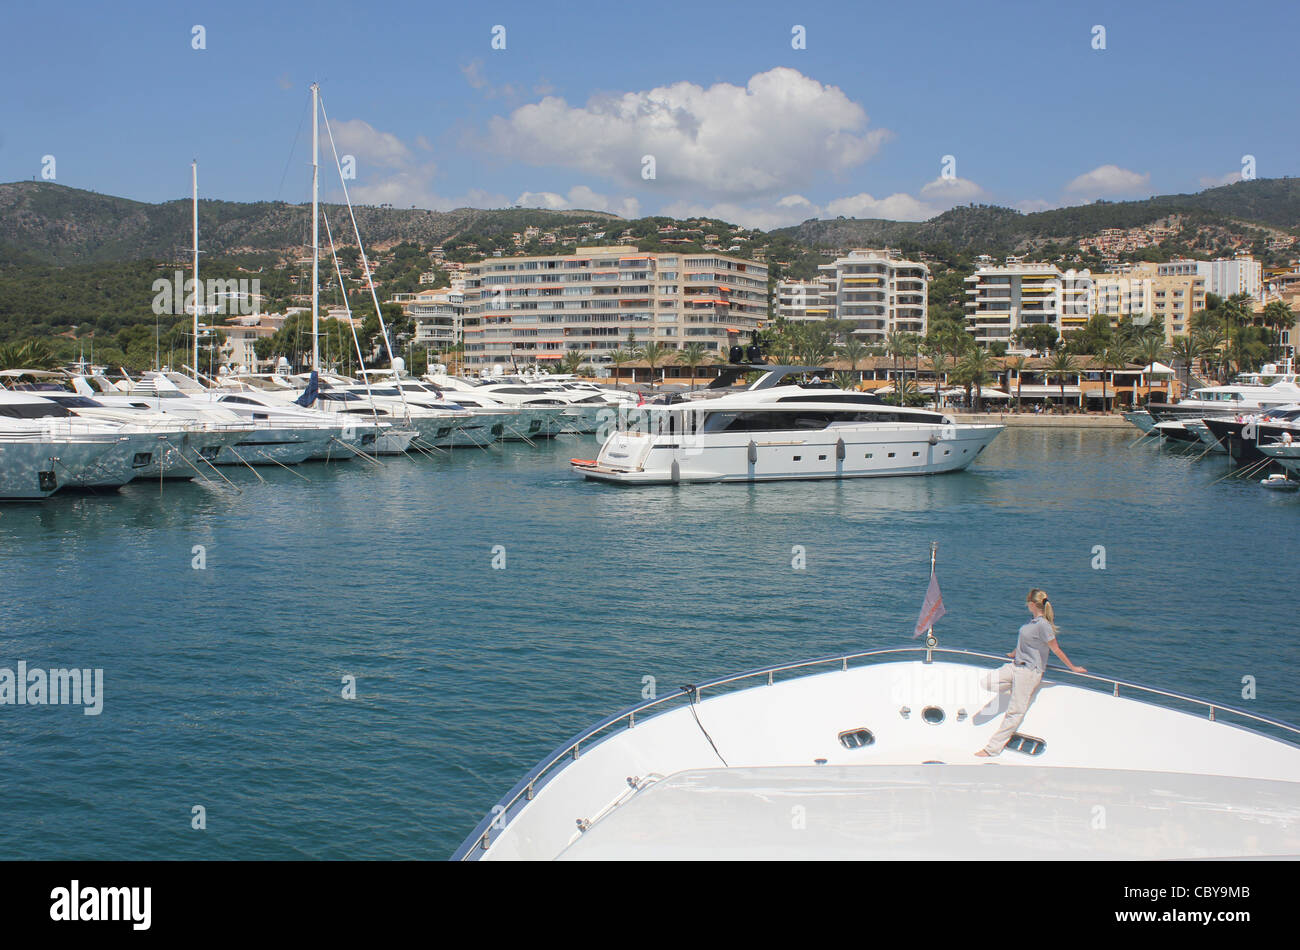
column 1242, row 436
column 778, row 430
column 871, row 756
column 48, row 445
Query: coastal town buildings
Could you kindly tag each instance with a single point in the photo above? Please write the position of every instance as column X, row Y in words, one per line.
column 596, row 300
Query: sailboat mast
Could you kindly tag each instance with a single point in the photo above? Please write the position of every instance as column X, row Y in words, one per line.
column 198, row 294
column 315, row 228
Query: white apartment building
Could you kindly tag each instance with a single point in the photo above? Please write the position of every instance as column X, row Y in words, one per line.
column 538, row 309
column 1242, row 274
column 805, row 301
column 1002, row 299
column 879, row 292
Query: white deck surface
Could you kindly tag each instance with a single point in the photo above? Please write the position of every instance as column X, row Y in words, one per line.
column 947, row 812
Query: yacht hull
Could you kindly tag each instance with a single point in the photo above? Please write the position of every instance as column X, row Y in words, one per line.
column 835, row 453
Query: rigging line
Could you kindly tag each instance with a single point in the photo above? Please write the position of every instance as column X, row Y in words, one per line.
column 279, row 192
column 374, row 296
column 690, row 691
column 347, row 308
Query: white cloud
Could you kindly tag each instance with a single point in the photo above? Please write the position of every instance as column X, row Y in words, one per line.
column 580, row 196
column 951, row 191
column 780, row 129
column 473, row 73
column 1209, row 181
column 1108, row 180
column 795, row 208
column 370, row 146
column 1031, row 205
column 896, row 207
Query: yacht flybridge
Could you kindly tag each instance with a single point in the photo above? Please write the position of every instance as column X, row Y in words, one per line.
column 871, row 756
column 779, row 428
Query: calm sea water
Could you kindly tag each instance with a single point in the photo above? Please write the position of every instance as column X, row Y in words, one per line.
column 223, row 685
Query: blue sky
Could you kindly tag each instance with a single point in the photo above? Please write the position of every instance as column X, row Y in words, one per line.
column 740, row 124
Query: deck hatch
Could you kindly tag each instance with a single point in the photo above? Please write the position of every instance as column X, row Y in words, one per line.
column 856, row 738
column 1029, row 745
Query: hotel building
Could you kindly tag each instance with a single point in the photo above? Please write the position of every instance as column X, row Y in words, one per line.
column 1002, row 299
column 1169, row 299
column 1241, row 275
column 538, row 309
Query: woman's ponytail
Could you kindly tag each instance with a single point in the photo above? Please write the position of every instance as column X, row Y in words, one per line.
column 1039, row 597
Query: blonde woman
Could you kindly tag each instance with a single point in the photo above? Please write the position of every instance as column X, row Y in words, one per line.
column 1024, row 674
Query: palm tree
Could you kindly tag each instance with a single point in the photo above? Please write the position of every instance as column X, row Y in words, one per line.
column 572, row 362
column 813, row 345
column 1060, row 366
column 1018, row 365
column 976, row 369
column 896, row 347
column 939, row 363
column 855, row 351
column 652, row 353
column 1277, row 317
column 1111, row 358
column 692, row 355
column 1185, row 350
column 618, row 358
column 843, row 380
column 1209, row 343
column 32, row 354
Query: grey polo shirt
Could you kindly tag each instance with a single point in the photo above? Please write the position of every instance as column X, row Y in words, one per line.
column 1031, row 648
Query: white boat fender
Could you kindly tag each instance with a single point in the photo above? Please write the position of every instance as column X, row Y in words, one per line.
column 676, row 472
column 934, row 439
column 753, row 452
column 840, row 450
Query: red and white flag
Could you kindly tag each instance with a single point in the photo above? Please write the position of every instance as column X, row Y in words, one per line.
column 931, row 610
column 641, row 401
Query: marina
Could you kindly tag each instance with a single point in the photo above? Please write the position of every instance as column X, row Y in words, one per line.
column 733, row 453
column 467, row 676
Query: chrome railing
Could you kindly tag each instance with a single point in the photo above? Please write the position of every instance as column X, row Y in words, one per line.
column 500, row 815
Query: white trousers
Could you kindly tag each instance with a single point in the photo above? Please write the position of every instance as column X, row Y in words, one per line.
column 1023, row 681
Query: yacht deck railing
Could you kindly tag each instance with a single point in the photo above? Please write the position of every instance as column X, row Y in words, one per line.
column 473, row 847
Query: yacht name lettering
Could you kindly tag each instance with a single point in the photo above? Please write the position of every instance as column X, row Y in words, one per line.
column 55, row 687
column 75, row 902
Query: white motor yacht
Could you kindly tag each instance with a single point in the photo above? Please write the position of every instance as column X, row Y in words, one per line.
column 186, row 446
column 871, row 756
column 540, row 418
column 48, row 447
column 775, row 430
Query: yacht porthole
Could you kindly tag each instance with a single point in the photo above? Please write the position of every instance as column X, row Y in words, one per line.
column 855, row 739
column 932, row 714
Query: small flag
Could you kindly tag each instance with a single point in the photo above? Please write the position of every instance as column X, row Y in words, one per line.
column 931, row 610
column 641, row 401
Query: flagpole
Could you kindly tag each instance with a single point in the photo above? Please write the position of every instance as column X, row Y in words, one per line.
column 930, row 641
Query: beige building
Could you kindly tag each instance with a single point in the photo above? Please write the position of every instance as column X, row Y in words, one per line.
column 1001, row 299
column 538, row 309
column 1142, row 290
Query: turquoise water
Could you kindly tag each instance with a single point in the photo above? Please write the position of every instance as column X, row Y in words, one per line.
column 223, row 685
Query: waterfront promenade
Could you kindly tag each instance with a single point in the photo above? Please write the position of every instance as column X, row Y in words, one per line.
column 1076, row 420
